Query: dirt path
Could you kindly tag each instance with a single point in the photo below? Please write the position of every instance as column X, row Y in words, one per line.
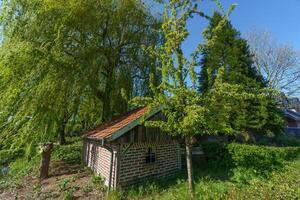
column 66, row 181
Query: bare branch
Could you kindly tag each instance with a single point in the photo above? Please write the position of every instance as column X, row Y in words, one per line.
column 278, row 63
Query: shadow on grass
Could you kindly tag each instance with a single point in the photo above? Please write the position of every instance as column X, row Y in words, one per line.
column 237, row 163
column 179, row 181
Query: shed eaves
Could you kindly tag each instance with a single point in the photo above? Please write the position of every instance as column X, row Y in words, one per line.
column 106, row 130
column 292, row 114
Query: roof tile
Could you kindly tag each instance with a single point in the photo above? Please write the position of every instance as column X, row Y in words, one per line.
column 107, row 129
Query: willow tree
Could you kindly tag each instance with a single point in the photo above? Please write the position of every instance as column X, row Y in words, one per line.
column 61, row 64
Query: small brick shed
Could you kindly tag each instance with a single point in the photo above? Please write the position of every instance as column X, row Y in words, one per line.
column 124, row 152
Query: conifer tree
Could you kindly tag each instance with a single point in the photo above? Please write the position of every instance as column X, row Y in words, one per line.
column 230, row 51
column 226, row 50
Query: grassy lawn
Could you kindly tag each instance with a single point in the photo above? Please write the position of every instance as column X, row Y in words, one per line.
column 215, row 185
column 235, row 172
column 259, row 173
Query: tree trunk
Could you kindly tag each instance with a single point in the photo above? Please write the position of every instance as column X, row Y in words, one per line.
column 46, row 150
column 106, row 111
column 189, row 166
column 106, row 100
column 62, row 135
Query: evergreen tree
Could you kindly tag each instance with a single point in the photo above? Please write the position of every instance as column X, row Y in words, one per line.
column 226, row 50
column 230, row 51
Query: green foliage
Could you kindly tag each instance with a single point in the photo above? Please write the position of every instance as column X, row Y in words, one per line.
column 285, row 141
column 69, row 153
column 7, row 156
column 69, row 194
column 225, row 48
column 282, row 140
column 98, row 183
column 17, row 170
column 227, row 53
column 248, row 160
column 63, row 184
column 87, row 189
column 214, row 183
column 115, row 195
column 180, row 102
column 37, row 189
column 63, row 65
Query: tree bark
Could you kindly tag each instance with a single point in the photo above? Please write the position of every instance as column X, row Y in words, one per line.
column 62, row 135
column 106, row 110
column 189, row 166
column 46, row 150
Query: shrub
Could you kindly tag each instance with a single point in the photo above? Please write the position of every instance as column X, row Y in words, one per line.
column 72, row 140
column 281, row 140
column 218, row 155
column 286, row 140
column 7, row 156
column 244, row 161
column 68, row 153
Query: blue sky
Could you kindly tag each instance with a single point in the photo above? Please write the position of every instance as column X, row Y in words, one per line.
column 279, row 17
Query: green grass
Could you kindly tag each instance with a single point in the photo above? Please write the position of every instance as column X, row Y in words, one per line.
column 18, row 169
column 234, row 171
column 19, row 166
column 284, row 184
column 246, row 172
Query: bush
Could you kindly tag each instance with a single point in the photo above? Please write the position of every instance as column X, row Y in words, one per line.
column 286, row 140
column 281, row 140
column 244, row 161
column 7, row 156
column 68, row 153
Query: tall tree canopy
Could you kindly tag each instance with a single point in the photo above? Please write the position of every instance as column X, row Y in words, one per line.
column 278, row 63
column 187, row 112
column 229, row 51
column 68, row 64
column 226, row 49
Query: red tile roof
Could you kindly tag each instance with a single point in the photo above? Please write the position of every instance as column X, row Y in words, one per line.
column 107, row 129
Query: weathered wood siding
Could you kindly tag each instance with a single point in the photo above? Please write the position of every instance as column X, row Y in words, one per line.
column 142, row 134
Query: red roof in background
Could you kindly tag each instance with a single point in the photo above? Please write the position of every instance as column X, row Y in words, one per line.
column 107, row 129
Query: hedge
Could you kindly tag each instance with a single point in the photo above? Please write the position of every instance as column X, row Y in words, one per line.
column 248, row 160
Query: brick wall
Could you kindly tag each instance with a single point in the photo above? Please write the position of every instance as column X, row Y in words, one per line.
column 133, row 166
column 98, row 159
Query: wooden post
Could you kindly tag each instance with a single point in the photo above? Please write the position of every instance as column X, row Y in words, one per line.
column 45, row 150
column 189, row 166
